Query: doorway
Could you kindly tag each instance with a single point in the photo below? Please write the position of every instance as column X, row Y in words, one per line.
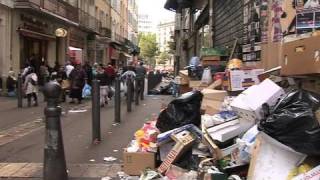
column 35, row 52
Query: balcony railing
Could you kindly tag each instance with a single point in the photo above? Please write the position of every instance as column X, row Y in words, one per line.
column 88, row 21
column 105, row 32
column 59, row 8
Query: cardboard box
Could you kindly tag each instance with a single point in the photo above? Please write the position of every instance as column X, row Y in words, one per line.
column 249, row 103
column 193, row 84
column 214, row 94
column 239, row 80
column 226, row 131
column 136, row 162
column 301, row 57
column 184, row 77
column 211, row 107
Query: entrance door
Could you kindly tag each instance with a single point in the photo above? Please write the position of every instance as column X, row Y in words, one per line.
column 35, row 52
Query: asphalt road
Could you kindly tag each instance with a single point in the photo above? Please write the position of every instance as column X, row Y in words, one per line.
column 22, row 131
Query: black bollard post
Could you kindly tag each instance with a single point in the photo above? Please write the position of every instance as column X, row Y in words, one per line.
column 19, row 91
column 142, row 88
column 54, row 159
column 137, row 91
column 129, row 94
column 117, row 100
column 96, row 130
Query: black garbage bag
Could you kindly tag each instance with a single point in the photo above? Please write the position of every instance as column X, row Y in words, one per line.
column 293, row 122
column 181, row 111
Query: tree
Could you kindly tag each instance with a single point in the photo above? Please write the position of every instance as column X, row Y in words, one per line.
column 148, row 47
column 163, row 58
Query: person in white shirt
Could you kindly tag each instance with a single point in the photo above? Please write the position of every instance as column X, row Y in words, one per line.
column 30, row 87
column 69, row 68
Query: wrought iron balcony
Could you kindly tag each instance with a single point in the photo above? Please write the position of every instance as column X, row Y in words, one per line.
column 105, row 32
column 56, row 7
column 89, row 22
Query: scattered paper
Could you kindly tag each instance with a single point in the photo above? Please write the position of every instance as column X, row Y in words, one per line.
column 78, row 111
column 110, row 132
column 109, row 159
column 115, row 150
column 92, row 160
column 115, row 124
column 106, row 178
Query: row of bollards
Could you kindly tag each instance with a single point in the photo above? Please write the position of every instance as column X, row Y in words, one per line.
column 54, row 157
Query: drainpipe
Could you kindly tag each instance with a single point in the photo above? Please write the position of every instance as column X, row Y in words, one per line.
column 211, row 22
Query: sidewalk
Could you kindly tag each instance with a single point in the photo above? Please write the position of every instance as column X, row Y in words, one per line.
column 28, row 142
column 75, row 171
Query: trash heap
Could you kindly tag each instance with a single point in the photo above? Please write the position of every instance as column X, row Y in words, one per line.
column 244, row 123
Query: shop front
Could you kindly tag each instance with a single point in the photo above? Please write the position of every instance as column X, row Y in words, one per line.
column 34, row 41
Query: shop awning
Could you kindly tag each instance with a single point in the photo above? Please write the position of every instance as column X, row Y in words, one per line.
column 116, row 45
column 173, row 5
column 37, row 35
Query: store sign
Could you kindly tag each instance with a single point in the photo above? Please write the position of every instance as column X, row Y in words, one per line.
column 33, row 23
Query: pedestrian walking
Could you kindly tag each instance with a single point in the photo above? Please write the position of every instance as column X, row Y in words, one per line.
column 111, row 73
column 104, row 85
column 11, row 84
column 43, row 74
column 30, row 87
column 62, row 79
column 128, row 77
column 88, row 69
column 77, row 80
column 140, row 75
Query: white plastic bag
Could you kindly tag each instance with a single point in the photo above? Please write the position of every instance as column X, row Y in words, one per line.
column 123, row 87
column 206, row 77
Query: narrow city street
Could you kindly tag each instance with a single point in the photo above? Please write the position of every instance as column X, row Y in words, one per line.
column 22, row 133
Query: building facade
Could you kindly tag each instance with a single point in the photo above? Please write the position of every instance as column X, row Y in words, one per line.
column 145, row 24
column 165, row 34
column 96, row 32
column 133, row 21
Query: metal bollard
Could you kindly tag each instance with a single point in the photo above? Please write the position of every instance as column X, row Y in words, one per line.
column 54, row 159
column 129, row 94
column 142, row 88
column 117, row 100
column 137, row 91
column 96, row 130
column 19, row 91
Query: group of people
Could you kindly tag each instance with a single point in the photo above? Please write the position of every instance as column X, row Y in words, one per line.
column 73, row 77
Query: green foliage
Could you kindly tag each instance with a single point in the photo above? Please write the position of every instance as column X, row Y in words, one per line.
column 148, row 47
column 163, row 58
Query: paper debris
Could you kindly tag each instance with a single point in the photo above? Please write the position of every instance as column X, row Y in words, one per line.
column 109, row 159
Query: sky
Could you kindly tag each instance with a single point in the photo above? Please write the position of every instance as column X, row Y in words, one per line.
column 155, row 9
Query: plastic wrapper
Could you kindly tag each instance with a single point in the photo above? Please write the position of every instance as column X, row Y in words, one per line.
column 145, row 139
column 206, row 77
column 181, row 111
column 86, row 91
column 293, row 122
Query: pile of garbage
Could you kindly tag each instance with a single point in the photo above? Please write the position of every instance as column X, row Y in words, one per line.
column 243, row 123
